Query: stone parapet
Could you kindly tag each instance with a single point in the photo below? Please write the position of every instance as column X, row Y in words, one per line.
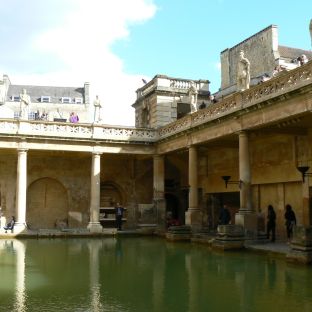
column 179, row 233
column 229, row 237
column 301, row 245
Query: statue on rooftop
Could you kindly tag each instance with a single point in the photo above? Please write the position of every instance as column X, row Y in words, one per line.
column 243, row 72
column 97, row 109
column 192, row 93
column 24, row 105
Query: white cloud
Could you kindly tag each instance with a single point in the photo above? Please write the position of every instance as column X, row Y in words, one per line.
column 80, row 45
column 218, row 66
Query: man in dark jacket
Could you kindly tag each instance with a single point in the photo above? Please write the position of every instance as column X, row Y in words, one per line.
column 119, row 210
column 224, row 216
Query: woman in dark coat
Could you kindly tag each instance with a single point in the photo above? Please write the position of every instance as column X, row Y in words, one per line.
column 290, row 218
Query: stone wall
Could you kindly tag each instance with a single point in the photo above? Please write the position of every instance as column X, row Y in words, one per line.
column 58, row 186
column 260, row 49
column 275, row 179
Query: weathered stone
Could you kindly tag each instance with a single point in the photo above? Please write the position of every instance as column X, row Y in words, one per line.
column 302, row 237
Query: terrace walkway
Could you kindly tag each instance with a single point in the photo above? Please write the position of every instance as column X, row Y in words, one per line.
column 278, row 248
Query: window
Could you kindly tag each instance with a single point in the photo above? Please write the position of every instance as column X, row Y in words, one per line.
column 32, row 115
column 15, row 98
column 78, row 100
column 66, row 99
column 16, row 115
column 45, row 99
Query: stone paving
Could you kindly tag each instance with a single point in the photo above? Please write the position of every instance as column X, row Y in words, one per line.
column 278, row 247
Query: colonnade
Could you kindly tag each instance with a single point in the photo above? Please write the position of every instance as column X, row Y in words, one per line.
column 245, row 216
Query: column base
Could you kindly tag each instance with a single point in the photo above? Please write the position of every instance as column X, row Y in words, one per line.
column 95, row 227
column 193, row 217
column 19, row 228
column 249, row 220
column 160, row 205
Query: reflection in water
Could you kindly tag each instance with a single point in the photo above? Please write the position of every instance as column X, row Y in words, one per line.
column 17, row 249
column 144, row 274
column 95, row 286
column 20, row 249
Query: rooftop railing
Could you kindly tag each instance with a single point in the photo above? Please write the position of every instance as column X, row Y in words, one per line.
column 292, row 80
column 274, row 87
column 77, row 131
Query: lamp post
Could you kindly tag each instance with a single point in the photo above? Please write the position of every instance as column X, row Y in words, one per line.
column 227, row 181
column 303, row 170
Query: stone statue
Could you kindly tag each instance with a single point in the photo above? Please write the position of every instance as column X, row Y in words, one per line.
column 192, row 93
column 311, row 31
column 97, row 109
column 24, row 105
column 2, row 93
column 243, row 72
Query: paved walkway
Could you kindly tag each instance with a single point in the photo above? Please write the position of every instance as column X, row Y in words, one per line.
column 278, row 247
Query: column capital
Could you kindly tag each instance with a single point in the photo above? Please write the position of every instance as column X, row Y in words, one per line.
column 22, row 149
column 242, row 133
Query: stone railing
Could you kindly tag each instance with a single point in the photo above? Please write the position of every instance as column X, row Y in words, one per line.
column 77, row 131
column 162, row 82
column 284, row 83
column 274, row 87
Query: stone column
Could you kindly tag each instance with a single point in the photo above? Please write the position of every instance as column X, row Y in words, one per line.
column 94, row 223
column 306, row 211
column 193, row 215
column 21, row 191
column 246, row 215
column 159, row 190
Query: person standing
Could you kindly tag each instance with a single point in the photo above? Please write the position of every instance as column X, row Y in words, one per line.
column 290, row 218
column 73, row 118
column 224, row 216
column 119, row 210
column 271, row 223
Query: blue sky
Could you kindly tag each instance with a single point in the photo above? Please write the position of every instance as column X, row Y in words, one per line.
column 114, row 43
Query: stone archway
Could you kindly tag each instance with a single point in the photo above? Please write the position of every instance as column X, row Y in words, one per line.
column 110, row 194
column 47, row 202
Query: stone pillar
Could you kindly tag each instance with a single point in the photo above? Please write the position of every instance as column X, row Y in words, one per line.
column 246, row 215
column 94, row 223
column 159, row 190
column 21, row 191
column 193, row 215
column 306, row 213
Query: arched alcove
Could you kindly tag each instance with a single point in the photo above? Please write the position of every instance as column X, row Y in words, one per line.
column 111, row 193
column 47, row 202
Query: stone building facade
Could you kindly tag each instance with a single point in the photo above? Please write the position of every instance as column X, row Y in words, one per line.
column 171, row 163
column 47, row 102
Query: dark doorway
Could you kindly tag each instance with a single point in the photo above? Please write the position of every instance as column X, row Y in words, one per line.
column 215, row 201
column 173, row 207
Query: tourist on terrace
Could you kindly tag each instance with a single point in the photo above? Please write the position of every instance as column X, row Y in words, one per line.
column 303, row 59
column 73, row 117
column 271, row 223
column 290, row 218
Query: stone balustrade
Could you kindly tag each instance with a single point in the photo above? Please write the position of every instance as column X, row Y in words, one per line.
column 289, row 81
column 78, row 131
column 274, row 87
column 162, row 82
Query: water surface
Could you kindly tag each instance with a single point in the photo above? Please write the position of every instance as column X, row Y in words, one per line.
column 145, row 274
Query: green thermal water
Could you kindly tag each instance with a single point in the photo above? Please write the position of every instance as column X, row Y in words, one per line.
column 145, row 274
